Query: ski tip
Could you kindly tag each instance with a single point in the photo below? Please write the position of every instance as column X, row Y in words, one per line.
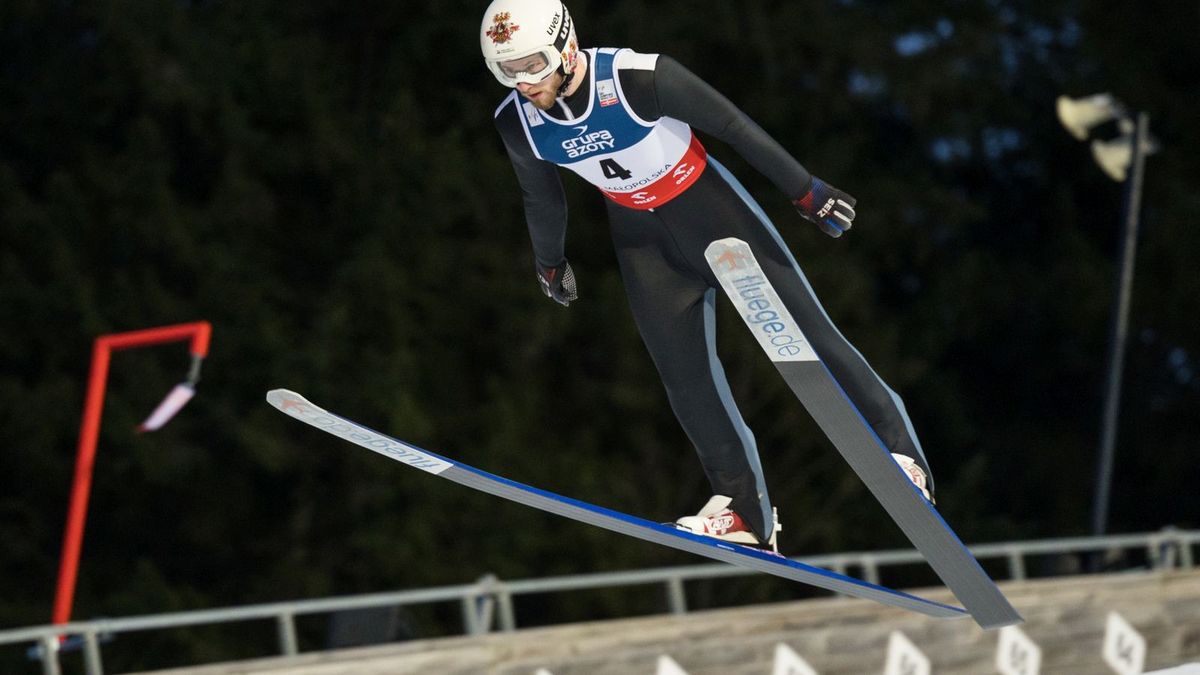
column 284, row 398
column 722, row 244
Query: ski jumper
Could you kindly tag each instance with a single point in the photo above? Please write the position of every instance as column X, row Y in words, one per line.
column 628, row 130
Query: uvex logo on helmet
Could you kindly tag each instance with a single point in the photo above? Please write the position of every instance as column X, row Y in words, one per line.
column 502, row 28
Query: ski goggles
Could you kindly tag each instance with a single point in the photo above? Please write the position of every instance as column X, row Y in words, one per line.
column 530, row 68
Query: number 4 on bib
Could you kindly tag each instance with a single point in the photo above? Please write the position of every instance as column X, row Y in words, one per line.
column 613, row 170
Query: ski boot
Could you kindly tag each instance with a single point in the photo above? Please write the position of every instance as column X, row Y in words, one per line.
column 915, row 473
column 719, row 521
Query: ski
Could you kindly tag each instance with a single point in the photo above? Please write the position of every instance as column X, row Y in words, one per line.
column 785, row 344
column 297, row 406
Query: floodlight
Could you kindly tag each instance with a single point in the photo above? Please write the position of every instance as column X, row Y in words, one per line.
column 1115, row 156
column 1080, row 115
column 1123, row 160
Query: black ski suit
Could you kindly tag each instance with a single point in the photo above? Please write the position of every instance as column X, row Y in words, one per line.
column 671, row 289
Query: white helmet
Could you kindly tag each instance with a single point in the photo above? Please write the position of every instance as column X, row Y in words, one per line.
column 527, row 40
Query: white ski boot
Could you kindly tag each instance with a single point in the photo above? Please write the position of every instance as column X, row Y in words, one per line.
column 915, row 473
column 717, row 520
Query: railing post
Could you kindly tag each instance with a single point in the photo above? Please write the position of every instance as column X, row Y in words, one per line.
column 676, row 597
column 508, row 617
column 1016, row 565
column 479, row 605
column 91, row 654
column 1154, row 553
column 870, row 569
column 1178, row 552
column 49, row 645
column 487, row 610
column 485, row 606
column 288, row 645
column 470, row 618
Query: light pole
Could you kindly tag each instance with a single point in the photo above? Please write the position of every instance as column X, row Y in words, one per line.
column 1123, row 160
column 198, row 333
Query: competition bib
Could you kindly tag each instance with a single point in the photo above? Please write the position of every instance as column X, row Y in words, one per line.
column 637, row 164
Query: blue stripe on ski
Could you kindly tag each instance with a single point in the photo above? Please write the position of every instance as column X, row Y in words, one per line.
column 278, row 396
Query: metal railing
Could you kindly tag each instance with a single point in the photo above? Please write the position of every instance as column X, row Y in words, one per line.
column 489, row 601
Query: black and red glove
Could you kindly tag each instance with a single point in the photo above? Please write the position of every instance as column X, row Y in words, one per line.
column 830, row 208
column 558, row 282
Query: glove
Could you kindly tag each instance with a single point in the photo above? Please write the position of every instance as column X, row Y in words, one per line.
column 558, row 282
column 830, row 208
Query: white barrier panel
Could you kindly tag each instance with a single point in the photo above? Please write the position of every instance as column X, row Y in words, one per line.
column 1017, row 654
column 788, row 662
column 903, row 657
column 1124, row 647
column 1189, row 669
column 667, row 666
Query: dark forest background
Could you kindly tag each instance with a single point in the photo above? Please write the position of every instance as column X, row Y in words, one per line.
column 321, row 180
